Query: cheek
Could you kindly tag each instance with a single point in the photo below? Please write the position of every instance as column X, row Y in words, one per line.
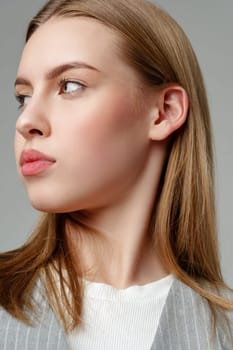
column 107, row 139
column 104, row 131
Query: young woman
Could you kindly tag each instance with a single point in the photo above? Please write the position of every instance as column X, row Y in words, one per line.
column 113, row 143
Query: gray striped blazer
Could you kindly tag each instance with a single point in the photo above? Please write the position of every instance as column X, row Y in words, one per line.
column 184, row 325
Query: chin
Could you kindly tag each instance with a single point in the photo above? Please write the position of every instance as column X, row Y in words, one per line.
column 50, row 208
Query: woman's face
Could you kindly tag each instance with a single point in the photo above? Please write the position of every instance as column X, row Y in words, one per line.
column 84, row 107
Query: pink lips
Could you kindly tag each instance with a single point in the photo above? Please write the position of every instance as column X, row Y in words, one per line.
column 33, row 162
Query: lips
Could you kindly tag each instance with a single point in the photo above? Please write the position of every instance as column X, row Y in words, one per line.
column 33, row 162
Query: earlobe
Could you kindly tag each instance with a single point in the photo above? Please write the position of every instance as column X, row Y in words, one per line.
column 171, row 112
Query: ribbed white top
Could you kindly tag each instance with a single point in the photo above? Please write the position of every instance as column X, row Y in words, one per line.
column 123, row 319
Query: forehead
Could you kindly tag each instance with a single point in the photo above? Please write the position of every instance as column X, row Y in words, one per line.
column 70, row 39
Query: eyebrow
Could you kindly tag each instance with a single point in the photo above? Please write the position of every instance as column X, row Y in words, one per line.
column 55, row 72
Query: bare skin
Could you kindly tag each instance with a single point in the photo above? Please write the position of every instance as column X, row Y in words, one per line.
column 108, row 134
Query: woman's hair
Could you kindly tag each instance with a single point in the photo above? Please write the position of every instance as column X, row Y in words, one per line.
column 183, row 223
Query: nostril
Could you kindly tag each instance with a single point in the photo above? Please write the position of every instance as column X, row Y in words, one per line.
column 35, row 131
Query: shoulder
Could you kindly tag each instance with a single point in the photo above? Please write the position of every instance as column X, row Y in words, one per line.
column 187, row 323
column 199, row 315
column 14, row 334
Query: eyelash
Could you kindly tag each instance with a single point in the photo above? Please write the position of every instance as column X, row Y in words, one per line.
column 64, row 81
column 20, row 97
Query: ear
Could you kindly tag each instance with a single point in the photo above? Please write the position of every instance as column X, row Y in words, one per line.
column 170, row 113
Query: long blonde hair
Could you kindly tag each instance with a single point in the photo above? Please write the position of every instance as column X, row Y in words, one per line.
column 183, row 224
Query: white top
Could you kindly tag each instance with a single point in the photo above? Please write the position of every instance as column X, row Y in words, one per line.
column 123, row 319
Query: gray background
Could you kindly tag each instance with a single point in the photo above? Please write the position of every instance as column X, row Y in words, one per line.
column 209, row 25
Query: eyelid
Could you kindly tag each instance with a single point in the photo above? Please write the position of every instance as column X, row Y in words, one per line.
column 20, row 99
column 70, row 80
column 64, row 81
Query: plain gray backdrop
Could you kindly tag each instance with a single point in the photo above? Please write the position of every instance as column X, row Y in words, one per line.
column 209, row 25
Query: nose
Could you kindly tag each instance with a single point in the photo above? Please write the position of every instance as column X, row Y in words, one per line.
column 34, row 120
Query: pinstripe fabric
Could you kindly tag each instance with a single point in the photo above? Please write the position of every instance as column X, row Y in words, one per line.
column 184, row 325
column 15, row 335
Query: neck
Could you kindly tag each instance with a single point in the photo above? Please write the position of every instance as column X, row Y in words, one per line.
column 122, row 253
